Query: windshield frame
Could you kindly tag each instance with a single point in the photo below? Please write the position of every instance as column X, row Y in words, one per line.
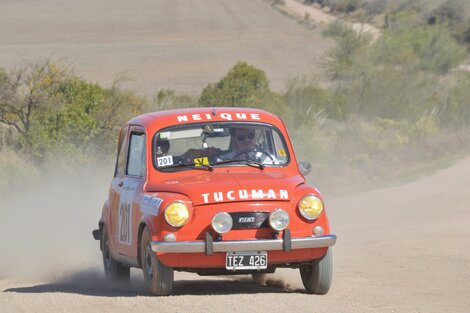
column 222, row 123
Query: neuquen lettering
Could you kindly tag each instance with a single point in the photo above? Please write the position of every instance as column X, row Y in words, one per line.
column 244, row 194
column 225, row 116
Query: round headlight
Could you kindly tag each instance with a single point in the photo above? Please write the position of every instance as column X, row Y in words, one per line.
column 310, row 207
column 279, row 219
column 222, row 222
column 176, row 214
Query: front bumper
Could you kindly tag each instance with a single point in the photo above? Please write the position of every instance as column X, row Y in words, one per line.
column 209, row 247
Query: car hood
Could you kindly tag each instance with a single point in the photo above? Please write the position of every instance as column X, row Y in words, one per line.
column 212, row 187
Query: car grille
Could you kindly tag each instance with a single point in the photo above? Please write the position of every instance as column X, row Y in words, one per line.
column 246, row 220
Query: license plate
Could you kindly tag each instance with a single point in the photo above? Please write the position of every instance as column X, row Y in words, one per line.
column 246, row 260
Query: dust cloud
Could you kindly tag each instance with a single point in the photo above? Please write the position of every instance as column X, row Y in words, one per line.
column 283, row 278
column 45, row 228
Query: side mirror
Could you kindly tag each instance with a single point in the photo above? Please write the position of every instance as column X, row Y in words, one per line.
column 304, row 167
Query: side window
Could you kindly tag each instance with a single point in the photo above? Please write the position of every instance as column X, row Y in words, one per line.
column 119, row 170
column 136, row 159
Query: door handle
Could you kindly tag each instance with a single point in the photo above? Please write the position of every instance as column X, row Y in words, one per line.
column 120, row 184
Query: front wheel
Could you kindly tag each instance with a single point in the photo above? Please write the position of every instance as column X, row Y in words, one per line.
column 158, row 277
column 317, row 274
column 113, row 270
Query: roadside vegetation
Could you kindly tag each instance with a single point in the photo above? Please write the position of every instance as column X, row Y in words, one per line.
column 391, row 105
column 393, row 14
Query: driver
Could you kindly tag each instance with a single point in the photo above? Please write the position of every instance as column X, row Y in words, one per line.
column 242, row 144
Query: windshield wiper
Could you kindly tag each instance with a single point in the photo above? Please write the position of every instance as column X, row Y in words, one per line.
column 257, row 164
column 194, row 165
column 252, row 163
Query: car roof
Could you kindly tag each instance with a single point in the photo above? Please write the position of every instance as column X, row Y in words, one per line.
column 161, row 119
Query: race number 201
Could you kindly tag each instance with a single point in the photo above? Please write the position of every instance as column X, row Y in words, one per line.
column 164, row 161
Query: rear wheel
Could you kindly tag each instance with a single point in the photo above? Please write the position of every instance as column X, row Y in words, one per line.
column 113, row 270
column 158, row 277
column 317, row 274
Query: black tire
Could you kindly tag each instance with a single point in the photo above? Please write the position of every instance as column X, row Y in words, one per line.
column 114, row 271
column 158, row 277
column 317, row 274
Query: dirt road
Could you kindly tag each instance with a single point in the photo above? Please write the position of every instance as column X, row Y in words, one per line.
column 302, row 11
column 400, row 249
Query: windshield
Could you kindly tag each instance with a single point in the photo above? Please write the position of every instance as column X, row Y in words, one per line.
column 209, row 145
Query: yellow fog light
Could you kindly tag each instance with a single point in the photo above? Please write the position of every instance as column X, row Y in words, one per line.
column 176, row 214
column 310, row 207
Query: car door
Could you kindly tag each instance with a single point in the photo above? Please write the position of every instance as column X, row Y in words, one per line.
column 133, row 179
column 116, row 187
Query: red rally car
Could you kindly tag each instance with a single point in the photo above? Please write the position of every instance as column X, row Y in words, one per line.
column 214, row 191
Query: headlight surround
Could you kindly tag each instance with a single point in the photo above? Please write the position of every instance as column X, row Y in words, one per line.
column 310, row 207
column 279, row 219
column 176, row 214
column 222, row 222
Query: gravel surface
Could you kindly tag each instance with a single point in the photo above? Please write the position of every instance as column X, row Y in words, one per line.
column 399, row 249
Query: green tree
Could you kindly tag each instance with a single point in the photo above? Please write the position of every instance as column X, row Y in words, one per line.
column 89, row 120
column 429, row 48
column 241, row 82
column 25, row 96
column 243, row 86
column 56, row 113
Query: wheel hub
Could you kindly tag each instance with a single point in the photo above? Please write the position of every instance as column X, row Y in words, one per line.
column 148, row 262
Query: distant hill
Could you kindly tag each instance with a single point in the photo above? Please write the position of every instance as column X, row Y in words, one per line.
column 180, row 45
